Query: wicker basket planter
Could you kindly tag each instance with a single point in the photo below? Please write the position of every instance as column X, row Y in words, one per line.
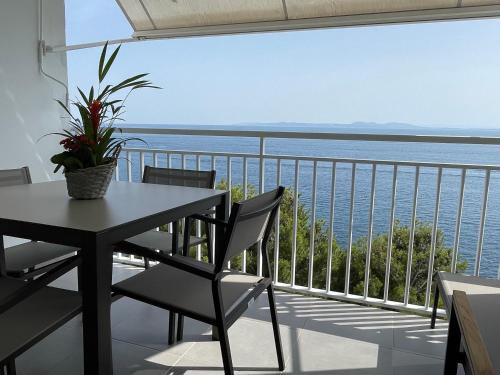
column 90, row 183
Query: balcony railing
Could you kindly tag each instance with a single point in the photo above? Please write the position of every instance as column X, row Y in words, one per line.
column 267, row 169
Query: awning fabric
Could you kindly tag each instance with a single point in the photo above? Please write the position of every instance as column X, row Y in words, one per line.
column 171, row 18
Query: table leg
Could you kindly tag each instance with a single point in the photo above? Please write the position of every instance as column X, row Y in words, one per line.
column 97, row 263
column 3, row 270
column 221, row 213
column 172, row 317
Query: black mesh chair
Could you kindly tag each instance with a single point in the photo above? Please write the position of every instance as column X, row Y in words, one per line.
column 33, row 258
column 160, row 240
column 209, row 292
column 29, row 311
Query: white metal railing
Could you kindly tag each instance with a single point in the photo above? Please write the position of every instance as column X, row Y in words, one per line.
column 155, row 155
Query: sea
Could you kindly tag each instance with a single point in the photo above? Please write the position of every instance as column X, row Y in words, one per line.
column 421, row 152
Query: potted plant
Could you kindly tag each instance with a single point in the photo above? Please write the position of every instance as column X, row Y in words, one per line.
column 90, row 150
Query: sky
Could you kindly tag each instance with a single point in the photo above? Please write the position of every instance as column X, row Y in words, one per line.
column 433, row 74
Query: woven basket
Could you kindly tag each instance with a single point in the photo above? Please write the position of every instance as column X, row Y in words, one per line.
column 90, row 183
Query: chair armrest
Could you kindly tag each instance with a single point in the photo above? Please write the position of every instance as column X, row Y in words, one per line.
column 32, row 287
column 209, row 219
column 475, row 349
column 178, row 261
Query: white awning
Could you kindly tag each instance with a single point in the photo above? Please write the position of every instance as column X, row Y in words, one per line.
column 178, row 18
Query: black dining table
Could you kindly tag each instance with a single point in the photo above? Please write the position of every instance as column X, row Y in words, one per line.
column 44, row 212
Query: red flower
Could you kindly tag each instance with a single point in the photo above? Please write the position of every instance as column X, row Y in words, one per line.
column 95, row 114
column 76, row 142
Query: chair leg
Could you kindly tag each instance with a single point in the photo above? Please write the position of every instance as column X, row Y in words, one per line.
column 11, row 367
column 452, row 356
column 180, row 327
column 172, row 317
column 276, row 327
column 185, row 252
column 435, row 306
column 225, row 350
column 221, row 328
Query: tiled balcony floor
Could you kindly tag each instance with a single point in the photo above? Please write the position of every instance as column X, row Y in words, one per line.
column 320, row 337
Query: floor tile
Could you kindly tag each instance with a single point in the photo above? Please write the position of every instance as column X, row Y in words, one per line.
column 252, row 349
column 128, row 359
column 322, row 353
column 351, row 321
column 418, row 337
column 404, row 363
column 287, row 314
column 147, row 325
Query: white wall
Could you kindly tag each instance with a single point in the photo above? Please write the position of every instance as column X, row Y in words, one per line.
column 27, row 106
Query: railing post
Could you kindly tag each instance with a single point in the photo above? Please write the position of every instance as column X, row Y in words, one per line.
column 370, row 232
column 390, row 234
column 484, row 208
column 458, row 222
column 330, row 230
column 198, row 223
column 129, row 167
column 245, row 196
column 262, row 153
column 277, row 227
column 294, row 229
column 350, row 224
column 430, row 271
column 229, row 185
column 117, row 171
column 142, row 163
column 313, row 226
column 412, row 238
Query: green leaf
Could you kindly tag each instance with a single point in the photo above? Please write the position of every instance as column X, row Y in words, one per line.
column 60, row 158
column 101, row 61
column 83, row 97
column 87, row 123
column 104, row 92
column 109, row 63
column 91, row 94
column 127, row 81
column 65, row 108
column 104, row 144
column 72, row 163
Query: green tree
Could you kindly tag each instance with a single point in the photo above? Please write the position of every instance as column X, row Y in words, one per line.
column 397, row 279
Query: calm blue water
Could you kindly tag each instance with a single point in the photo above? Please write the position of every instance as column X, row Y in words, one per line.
column 470, row 154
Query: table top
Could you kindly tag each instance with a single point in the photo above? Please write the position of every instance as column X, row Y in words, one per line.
column 48, row 203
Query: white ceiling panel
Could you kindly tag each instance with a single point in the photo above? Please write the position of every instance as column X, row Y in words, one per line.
column 174, row 18
column 136, row 14
column 193, row 13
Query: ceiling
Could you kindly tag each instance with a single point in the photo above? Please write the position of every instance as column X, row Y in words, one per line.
column 174, row 18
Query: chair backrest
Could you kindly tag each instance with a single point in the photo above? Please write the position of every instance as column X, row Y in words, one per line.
column 251, row 221
column 179, row 177
column 19, row 176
